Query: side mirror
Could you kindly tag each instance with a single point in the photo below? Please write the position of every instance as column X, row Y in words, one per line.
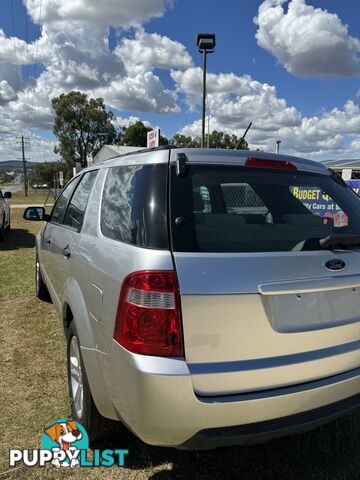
column 7, row 194
column 36, row 214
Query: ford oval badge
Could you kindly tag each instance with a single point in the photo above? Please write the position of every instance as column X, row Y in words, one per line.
column 335, row 265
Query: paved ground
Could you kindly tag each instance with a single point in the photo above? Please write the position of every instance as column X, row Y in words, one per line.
column 13, row 188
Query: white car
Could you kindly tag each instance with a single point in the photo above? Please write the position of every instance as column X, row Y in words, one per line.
column 4, row 213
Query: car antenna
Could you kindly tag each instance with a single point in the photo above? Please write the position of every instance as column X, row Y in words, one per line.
column 243, row 137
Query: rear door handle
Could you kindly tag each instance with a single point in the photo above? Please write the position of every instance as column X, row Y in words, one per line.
column 66, row 251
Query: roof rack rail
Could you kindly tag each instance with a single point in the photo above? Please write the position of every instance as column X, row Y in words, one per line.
column 142, row 150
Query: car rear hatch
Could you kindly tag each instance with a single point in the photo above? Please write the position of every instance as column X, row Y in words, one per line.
column 263, row 306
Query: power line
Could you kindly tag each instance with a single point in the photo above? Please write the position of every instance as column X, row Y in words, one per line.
column 27, row 56
column 15, row 56
column 37, row 43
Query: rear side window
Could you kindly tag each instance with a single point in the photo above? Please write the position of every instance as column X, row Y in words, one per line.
column 75, row 212
column 134, row 205
column 258, row 209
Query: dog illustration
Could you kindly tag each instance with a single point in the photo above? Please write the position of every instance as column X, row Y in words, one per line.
column 64, row 434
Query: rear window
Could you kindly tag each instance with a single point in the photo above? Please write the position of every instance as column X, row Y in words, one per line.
column 239, row 209
column 133, row 208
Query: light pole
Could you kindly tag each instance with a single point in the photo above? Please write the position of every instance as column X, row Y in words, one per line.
column 206, row 43
column 278, row 146
column 208, row 126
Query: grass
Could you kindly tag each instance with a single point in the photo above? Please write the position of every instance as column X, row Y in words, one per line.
column 34, row 392
column 35, row 197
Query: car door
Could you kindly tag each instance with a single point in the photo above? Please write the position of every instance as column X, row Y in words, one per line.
column 65, row 236
column 47, row 253
column 2, row 210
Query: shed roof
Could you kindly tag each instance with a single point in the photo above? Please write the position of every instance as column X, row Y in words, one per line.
column 353, row 163
column 111, row 151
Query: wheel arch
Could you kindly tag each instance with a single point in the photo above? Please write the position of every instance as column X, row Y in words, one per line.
column 75, row 310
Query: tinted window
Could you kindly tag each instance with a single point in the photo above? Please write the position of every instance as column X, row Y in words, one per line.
column 133, row 208
column 75, row 212
column 60, row 205
column 258, row 210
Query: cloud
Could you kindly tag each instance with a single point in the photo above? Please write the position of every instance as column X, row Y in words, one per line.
column 235, row 101
column 307, row 41
column 142, row 92
column 74, row 52
column 40, row 149
column 118, row 13
column 8, row 45
column 150, row 50
column 7, row 93
column 125, row 122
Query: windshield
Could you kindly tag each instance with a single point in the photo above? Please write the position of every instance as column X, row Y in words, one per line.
column 243, row 209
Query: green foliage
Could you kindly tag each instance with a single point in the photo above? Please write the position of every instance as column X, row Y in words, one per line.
column 5, row 177
column 183, row 141
column 136, row 136
column 217, row 140
column 82, row 127
column 44, row 173
column 224, row 140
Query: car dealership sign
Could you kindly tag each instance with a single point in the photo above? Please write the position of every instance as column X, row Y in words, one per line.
column 319, row 203
column 153, row 138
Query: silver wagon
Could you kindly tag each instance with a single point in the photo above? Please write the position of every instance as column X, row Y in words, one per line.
column 209, row 297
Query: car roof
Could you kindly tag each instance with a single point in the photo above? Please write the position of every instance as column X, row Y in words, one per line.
column 207, row 156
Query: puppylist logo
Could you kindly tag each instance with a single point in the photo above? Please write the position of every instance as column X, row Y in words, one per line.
column 65, row 443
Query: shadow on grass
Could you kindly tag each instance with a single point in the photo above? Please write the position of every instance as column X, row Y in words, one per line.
column 17, row 238
column 331, row 452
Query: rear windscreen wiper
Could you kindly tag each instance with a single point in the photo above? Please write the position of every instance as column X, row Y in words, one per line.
column 339, row 241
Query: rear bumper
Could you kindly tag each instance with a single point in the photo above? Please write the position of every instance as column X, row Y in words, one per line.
column 154, row 397
column 259, row 432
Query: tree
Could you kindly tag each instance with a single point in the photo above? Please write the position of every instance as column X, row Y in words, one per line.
column 224, row 140
column 6, row 177
column 44, row 173
column 184, row 141
column 136, row 136
column 82, row 127
column 216, row 140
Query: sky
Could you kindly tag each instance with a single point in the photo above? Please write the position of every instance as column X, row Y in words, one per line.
column 292, row 68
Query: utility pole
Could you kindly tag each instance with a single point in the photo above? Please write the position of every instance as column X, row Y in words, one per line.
column 24, row 141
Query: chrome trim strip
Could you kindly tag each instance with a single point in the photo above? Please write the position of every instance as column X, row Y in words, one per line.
column 272, row 362
column 310, row 285
column 281, row 391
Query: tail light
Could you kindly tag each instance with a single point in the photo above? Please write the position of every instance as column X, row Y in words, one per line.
column 267, row 163
column 148, row 319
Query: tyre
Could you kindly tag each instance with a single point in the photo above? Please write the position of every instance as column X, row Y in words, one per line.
column 83, row 408
column 2, row 229
column 42, row 293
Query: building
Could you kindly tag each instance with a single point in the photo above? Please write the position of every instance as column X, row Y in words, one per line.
column 111, row 151
column 348, row 169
